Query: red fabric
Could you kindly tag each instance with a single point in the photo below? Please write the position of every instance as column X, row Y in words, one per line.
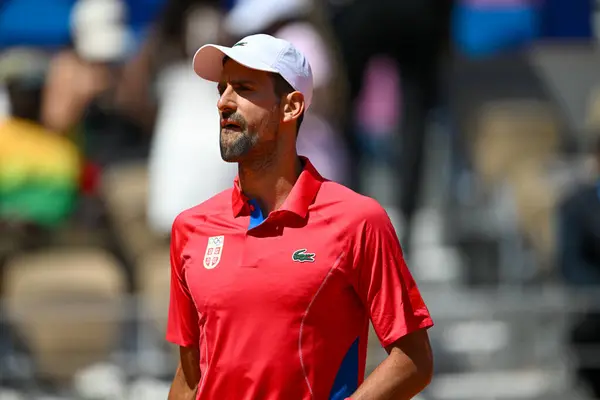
column 90, row 178
column 275, row 309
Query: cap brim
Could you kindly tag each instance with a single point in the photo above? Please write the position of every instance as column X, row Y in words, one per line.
column 208, row 61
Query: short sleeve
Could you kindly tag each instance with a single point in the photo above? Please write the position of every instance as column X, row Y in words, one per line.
column 382, row 279
column 182, row 323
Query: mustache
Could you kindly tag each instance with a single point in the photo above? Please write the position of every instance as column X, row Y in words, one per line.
column 236, row 118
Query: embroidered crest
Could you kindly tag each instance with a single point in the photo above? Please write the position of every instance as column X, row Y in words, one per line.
column 214, row 248
column 302, row 256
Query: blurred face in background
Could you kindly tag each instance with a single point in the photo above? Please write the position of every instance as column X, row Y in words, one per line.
column 250, row 114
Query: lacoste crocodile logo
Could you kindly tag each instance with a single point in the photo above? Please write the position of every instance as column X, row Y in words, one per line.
column 302, row 256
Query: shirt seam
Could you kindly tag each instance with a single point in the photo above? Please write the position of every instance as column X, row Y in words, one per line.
column 345, row 253
column 325, row 279
column 208, row 361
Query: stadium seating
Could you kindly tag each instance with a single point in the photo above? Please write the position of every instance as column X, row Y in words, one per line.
column 509, row 132
column 66, row 305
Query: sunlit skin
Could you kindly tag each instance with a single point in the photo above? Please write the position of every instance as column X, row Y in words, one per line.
column 258, row 131
column 250, row 114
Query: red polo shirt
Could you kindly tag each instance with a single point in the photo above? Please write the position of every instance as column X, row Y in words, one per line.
column 279, row 306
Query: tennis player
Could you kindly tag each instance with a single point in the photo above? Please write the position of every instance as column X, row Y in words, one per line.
column 273, row 281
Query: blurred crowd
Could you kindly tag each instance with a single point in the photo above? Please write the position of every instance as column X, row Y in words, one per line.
column 476, row 123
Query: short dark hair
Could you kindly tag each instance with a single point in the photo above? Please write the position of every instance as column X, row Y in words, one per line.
column 282, row 87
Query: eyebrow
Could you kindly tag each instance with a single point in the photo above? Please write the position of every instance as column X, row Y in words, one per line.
column 236, row 82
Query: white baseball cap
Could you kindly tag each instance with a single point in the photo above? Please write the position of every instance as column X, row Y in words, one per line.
column 261, row 52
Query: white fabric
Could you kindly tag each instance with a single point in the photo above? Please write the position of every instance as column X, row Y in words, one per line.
column 185, row 166
column 88, row 14
column 99, row 31
column 261, row 52
column 107, row 44
column 251, row 16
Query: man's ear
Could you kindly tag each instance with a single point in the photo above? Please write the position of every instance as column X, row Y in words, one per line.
column 293, row 106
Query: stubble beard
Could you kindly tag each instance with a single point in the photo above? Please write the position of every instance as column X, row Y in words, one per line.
column 234, row 149
column 243, row 147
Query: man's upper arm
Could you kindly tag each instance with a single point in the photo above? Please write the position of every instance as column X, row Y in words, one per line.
column 383, row 281
column 182, row 323
column 415, row 348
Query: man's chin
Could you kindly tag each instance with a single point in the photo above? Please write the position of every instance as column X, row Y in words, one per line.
column 229, row 157
column 235, row 151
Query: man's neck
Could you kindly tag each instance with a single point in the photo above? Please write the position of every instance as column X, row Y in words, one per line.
column 270, row 184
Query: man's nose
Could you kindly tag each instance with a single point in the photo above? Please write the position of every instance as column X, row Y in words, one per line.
column 227, row 100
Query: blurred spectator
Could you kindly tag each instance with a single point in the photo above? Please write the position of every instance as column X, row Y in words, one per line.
column 298, row 22
column 579, row 261
column 415, row 34
column 72, row 83
column 184, row 143
column 580, row 233
column 83, row 78
column 80, row 100
column 377, row 108
column 39, row 171
column 185, row 164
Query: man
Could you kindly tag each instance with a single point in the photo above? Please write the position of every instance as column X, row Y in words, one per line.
column 273, row 281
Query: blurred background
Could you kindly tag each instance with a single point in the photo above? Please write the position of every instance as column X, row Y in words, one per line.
column 476, row 123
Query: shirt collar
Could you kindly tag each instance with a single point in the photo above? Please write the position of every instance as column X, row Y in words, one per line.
column 299, row 199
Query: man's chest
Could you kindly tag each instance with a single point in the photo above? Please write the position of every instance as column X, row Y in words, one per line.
column 281, row 271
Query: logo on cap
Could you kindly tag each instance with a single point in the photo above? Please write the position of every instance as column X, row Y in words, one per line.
column 240, row 44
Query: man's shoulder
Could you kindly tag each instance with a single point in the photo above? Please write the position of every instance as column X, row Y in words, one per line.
column 353, row 206
column 215, row 206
